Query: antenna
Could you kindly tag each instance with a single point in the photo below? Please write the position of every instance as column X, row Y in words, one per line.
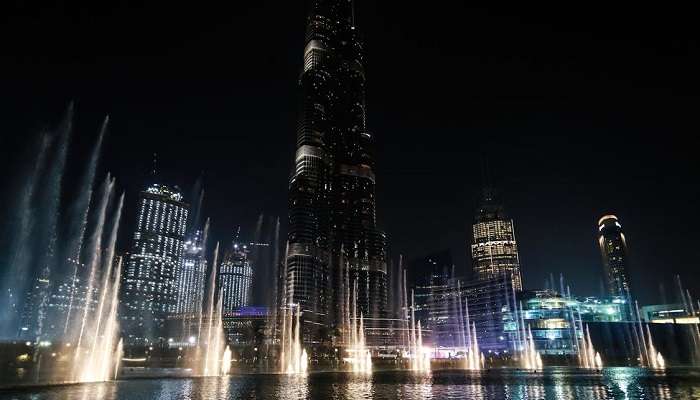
column 155, row 163
column 352, row 11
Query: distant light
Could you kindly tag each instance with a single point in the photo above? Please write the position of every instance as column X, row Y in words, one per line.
column 44, row 343
column 28, row 343
column 192, row 339
column 170, row 340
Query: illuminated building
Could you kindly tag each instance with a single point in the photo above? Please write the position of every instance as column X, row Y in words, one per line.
column 668, row 314
column 191, row 276
column 608, row 309
column 613, row 249
column 235, row 278
column 551, row 318
column 149, row 287
column 333, row 236
column 494, row 250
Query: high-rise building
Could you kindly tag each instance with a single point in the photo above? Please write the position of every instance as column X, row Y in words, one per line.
column 149, row 287
column 493, row 248
column 192, row 275
column 427, row 275
column 613, row 249
column 333, row 236
column 235, row 278
column 480, row 304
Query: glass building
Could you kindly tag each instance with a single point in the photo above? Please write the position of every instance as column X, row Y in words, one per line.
column 556, row 321
column 478, row 302
column 613, row 249
column 192, row 275
column 333, row 236
column 149, row 287
column 494, row 250
column 235, row 278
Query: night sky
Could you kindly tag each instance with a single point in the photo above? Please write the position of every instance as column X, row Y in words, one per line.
column 579, row 112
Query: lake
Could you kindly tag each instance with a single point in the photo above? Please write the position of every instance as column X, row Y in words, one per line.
column 553, row 383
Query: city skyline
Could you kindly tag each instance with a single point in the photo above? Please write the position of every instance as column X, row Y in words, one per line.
column 348, row 199
column 532, row 199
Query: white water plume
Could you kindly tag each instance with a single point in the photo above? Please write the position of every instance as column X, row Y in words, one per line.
column 215, row 350
column 95, row 361
column 473, row 359
column 360, row 356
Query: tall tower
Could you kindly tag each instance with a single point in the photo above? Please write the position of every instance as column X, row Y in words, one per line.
column 493, row 248
column 149, row 286
column 235, row 278
column 613, row 249
column 333, row 236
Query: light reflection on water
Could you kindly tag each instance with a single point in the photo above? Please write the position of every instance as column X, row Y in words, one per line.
column 614, row 383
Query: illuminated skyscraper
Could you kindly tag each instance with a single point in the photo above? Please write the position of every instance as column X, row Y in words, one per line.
column 192, row 275
column 613, row 249
column 149, row 292
column 332, row 185
column 493, row 248
column 235, row 278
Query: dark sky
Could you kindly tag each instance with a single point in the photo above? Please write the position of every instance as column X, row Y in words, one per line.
column 579, row 111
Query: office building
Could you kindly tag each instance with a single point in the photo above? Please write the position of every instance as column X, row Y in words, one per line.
column 149, row 287
column 494, row 251
column 235, row 278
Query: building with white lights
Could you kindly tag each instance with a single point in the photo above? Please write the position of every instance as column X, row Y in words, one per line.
column 192, row 275
column 149, row 287
column 494, row 250
column 235, row 278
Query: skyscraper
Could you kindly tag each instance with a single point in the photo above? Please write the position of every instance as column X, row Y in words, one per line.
column 493, row 248
column 235, row 278
column 149, row 292
column 333, row 236
column 613, row 249
column 191, row 275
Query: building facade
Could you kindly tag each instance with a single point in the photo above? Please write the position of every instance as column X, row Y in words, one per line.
column 427, row 275
column 613, row 249
column 333, row 236
column 192, row 275
column 235, row 278
column 149, row 286
column 494, row 251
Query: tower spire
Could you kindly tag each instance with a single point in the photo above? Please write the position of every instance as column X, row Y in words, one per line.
column 155, row 163
column 352, row 13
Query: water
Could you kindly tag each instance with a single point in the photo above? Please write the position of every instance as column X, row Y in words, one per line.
column 555, row 383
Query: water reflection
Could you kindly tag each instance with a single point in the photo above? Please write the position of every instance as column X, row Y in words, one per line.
column 565, row 384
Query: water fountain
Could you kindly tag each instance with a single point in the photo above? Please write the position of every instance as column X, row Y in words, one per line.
column 213, row 363
column 39, row 253
column 649, row 357
column 587, row 356
column 360, row 356
column 654, row 359
column 420, row 356
column 293, row 358
column 530, row 358
column 98, row 331
column 473, row 359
